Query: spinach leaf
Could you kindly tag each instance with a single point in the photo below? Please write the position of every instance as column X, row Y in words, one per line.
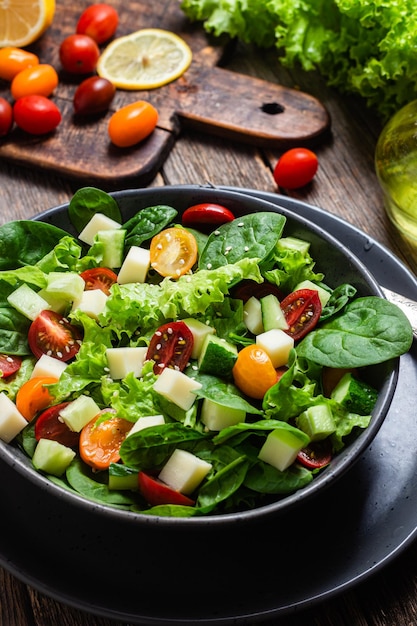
column 147, row 223
column 264, row 478
column 226, row 394
column 81, row 480
column 14, row 329
column 89, row 200
column 25, row 242
column 339, row 298
column 251, row 236
column 223, row 484
column 370, row 330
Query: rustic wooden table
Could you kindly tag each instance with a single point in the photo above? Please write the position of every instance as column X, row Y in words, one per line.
column 346, row 186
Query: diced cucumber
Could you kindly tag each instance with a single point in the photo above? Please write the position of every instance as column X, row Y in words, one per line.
column 122, row 477
column 293, row 243
column 217, row 357
column 324, row 295
column 27, row 301
column 113, row 246
column 355, row 395
column 252, row 315
column 66, row 285
column 217, row 416
column 52, row 457
column 277, row 344
column 272, row 314
column 317, row 422
column 184, row 471
column 98, row 222
column 55, row 302
column 200, row 332
column 282, row 446
column 79, row 412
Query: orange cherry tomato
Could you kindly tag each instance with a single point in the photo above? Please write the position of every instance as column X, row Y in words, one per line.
column 33, row 396
column 14, row 60
column 132, row 124
column 100, row 441
column 173, row 252
column 253, row 372
column 40, row 79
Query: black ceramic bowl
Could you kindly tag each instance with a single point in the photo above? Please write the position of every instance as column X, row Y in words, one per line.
column 339, row 266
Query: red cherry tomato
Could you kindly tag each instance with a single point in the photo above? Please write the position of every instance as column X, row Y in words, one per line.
column 248, row 288
column 170, row 346
column 98, row 21
column 6, row 117
column 99, row 278
column 51, row 333
column 50, row 426
column 317, row 454
column 36, row 114
column 79, row 54
column 40, row 79
column 295, row 168
column 206, row 216
column 93, row 95
column 132, row 123
column 302, row 310
column 156, row 492
column 9, row 364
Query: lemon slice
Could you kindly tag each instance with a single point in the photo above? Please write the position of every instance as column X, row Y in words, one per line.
column 23, row 21
column 146, row 59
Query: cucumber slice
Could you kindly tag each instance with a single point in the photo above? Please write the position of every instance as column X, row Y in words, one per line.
column 27, row 301
column 217, row 416
column 217, row 357
column 317, row 422
column 355, row 395
column 252, row 315
column 324, row 295
column 282, row 446
column 293, row 243
column 272, row 314
column 113, row 246
column 52, row 457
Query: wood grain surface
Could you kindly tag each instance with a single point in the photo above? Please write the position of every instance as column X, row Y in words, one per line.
column 219, row 101
column 345, row 186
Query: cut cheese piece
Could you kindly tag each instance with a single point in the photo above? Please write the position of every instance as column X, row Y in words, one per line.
column 98, row 222
column 277, row 344
column 147, row 421
column 200, row 332
column 123, row 361
column 48, row 366
column 92, row 302
column 177, row 387
column 184, row 471
column 11, row 420
column 135, row 267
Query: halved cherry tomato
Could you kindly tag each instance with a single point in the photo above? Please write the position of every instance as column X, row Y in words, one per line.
column 317, row 454
column 6, row 117
column 40, row 79
column 302, row 310
column 247, row 288
column 171, row 346
column 101, row 438
column 33, row 396
column 206, row 217
column 93, row 95
column 295, row 168
column 36, row 114
column 173, row 252
column 98, row 21
column 9, row 364
column 99, row 278
column 79, row 54
column 253, row 372
column 50, row 426
column 156, row 492
column 52, row 334
column 14, row 60
column 132, row 124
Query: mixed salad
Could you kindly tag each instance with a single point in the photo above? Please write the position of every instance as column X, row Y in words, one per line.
column 181, row 365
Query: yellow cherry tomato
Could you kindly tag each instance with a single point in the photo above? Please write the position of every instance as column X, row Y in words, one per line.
column 173, row 252
column 253, row 372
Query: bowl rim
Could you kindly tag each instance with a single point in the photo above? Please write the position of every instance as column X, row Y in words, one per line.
column 337, row 468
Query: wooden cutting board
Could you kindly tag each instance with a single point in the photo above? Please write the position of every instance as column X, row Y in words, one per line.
column 206, row 97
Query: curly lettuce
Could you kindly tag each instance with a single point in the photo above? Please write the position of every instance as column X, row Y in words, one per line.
column 366, row 47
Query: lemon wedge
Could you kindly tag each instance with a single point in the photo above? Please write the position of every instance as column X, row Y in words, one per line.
column 23, row 21
column 146, row 59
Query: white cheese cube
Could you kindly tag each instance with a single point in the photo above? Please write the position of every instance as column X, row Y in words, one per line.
column 123, row 361
column 177, row 387
column 184, row 471
column 146, row 422
column 200, row 332
column 48, row 366
column 97, row 222
column 217, row 416
column 11, row 420
column 252, row 315
column 92, row 302
column 135, row 267
column 277, row 344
